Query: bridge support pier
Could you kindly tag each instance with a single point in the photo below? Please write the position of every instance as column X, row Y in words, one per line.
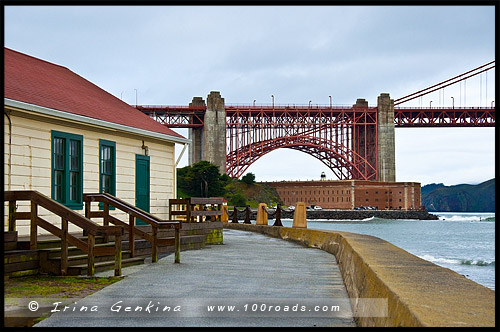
column 196, row 149
column 386, row 153
column 209, row 142
column 364, row 142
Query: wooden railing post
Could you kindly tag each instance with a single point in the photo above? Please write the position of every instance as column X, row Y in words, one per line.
column 91, row 257
column 131, row 240
column 87, row 213
column 12, row 216
column 188, row 210
column 219, row 217
column 177, row 245
column 105, row 220
column 154, row 244
column 118, row 255
column 33, row 226
column 64, row 247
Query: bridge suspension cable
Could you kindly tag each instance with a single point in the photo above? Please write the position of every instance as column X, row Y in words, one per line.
column 451, row 81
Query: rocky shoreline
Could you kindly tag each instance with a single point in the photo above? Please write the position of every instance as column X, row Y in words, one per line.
column 344, row 214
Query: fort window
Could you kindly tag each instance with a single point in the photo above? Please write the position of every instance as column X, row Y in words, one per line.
column 67, row 166
column 107, row 167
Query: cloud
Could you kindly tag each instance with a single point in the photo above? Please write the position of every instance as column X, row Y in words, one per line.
column 170, row 54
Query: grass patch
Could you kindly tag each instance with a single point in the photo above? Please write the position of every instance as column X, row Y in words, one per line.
column 50, row 287
column 41, row 286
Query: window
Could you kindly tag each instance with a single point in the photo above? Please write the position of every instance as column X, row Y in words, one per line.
column 107, row 168
column 67, row 169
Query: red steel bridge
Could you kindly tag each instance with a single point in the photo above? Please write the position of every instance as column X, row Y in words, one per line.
column 346, row 139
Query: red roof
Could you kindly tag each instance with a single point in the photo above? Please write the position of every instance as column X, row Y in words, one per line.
column 35, row 81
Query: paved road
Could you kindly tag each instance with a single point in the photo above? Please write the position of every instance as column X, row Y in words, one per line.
column 267, row 282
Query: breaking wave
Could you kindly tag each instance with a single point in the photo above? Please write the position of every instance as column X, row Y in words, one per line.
column 457, row 261
column 466, row 218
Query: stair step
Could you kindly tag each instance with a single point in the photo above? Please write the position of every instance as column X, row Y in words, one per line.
column 141, row 243
column 54, row 243
column 20, row 262
column 83, row 259
column 9, row 241
column 74, row 251
column 104, row 266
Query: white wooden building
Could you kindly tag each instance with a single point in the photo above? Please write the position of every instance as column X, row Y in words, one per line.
column 65, row 136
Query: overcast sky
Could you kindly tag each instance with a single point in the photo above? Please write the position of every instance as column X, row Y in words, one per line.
column 170, row 54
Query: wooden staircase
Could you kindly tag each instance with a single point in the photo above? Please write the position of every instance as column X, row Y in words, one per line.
column 96, row 254
column 50, row 257
column 104, row 247
column 46, row 259
column 19, row 260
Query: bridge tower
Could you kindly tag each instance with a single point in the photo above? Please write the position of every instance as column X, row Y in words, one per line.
column 209, row 141
column 386, row 151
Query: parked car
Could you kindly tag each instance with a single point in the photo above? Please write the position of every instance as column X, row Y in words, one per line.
column 309, row 208
column 317, row 207
column 291, row 207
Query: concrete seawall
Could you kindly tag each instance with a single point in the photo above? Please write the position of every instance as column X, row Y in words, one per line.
column 419, row 293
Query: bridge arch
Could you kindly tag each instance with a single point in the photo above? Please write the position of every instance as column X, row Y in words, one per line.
column 343, row 161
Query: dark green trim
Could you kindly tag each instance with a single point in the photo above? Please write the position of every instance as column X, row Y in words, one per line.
column 112, row 190
column 67, row 137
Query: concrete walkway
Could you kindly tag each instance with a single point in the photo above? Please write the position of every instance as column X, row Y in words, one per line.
column 251, row 280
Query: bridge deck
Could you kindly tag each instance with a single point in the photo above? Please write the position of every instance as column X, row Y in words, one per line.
column 248, row 269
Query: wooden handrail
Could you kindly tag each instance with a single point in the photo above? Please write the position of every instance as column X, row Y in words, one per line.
column 130, row 209
column 190, row 212
column 62, row 211
column 67, row 216
column 133, row 212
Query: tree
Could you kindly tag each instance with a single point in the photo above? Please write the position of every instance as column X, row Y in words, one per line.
column 200, row 180
column 237, row 199
column 248, row 178
column 225, row 179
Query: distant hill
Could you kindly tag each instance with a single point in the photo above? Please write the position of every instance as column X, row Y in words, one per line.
column 459, row 198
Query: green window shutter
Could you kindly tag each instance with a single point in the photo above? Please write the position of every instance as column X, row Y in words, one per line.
column 67, row 169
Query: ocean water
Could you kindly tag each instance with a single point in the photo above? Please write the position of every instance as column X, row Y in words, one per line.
column 462, row 242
